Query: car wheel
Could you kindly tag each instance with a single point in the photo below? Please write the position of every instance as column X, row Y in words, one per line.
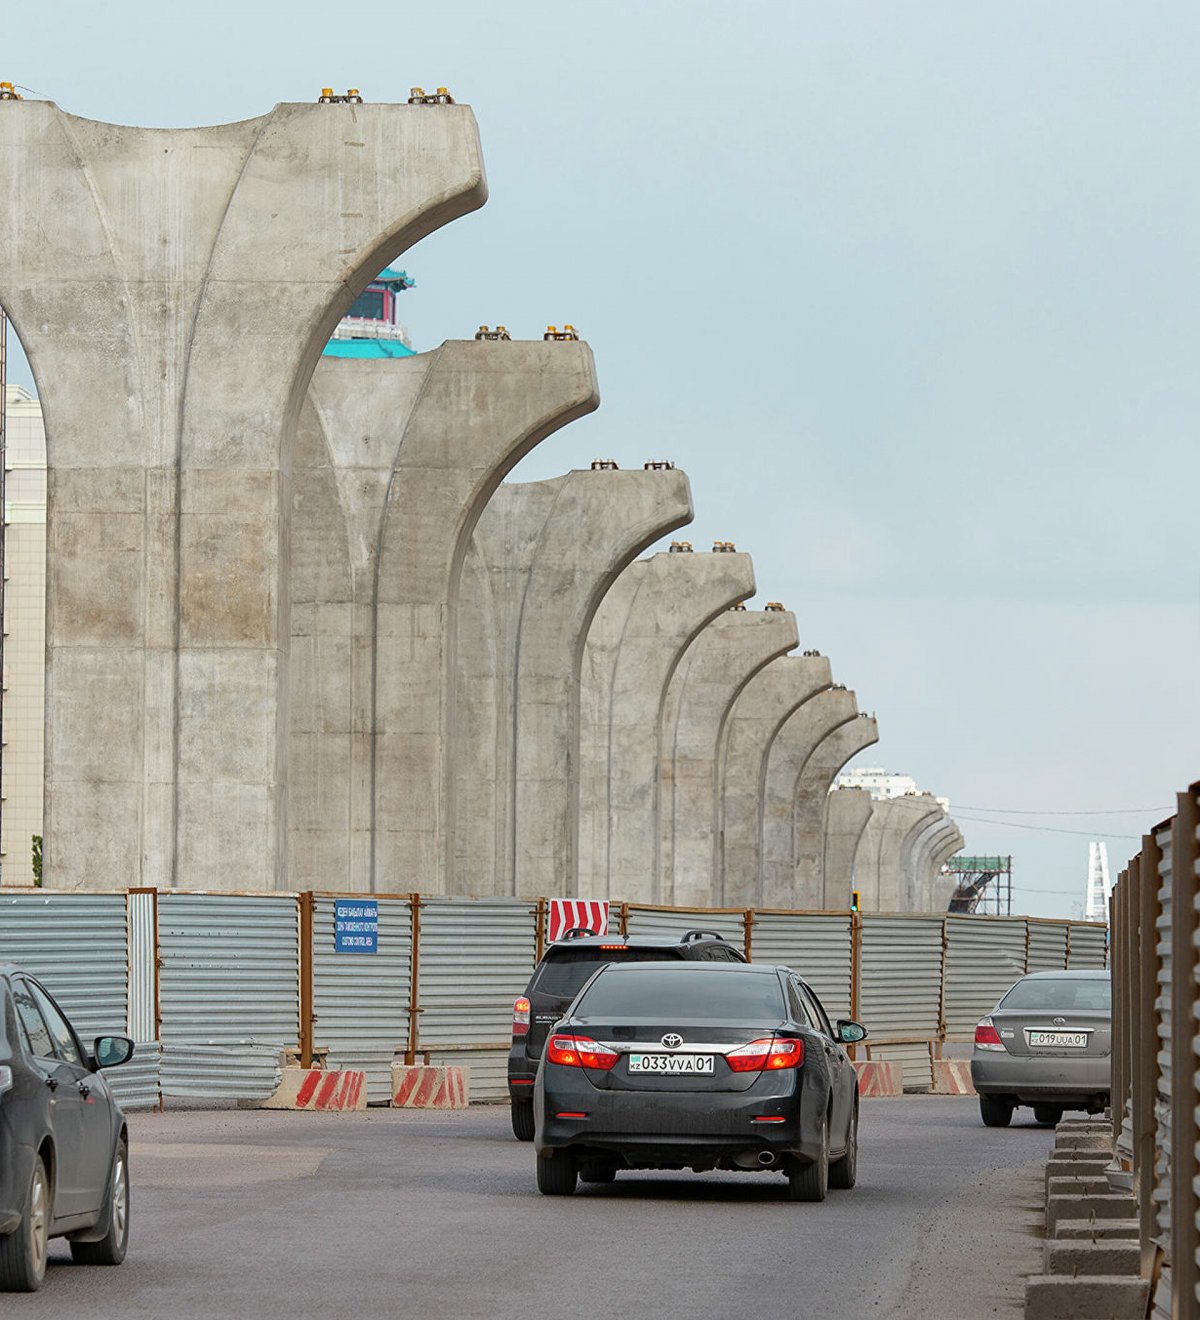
column 522, row 1120
column 556, row 1174
column 810, row 1181
column 110, row 1250
column 1048, row 1115
column 844, row 1172
column 23, row 1251
column 995, row 1110
column 597, row 1173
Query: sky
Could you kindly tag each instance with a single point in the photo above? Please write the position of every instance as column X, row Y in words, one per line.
column 910, row 290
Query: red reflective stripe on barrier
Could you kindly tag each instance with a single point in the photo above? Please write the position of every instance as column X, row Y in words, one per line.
column 327, row 1089
column 307, row 1087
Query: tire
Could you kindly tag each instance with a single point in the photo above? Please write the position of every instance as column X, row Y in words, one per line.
column 995, row 1110
column 522, row 1120
column 556, row 1174
column 1048, row 1115
column 843, row 1173
column 23, row 1251
column 110, row 1250
column 810, row 1182
column 597, row 1173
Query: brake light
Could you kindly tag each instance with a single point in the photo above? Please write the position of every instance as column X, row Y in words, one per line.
column 987, row 1037
column 580, row 1052
column 766, row 1055
column 521, row 1017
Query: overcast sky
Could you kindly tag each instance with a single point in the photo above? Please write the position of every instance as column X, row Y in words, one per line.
column 909, row 290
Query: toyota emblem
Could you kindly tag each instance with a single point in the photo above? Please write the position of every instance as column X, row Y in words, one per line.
column 672, row 1040
column 1060, row 1022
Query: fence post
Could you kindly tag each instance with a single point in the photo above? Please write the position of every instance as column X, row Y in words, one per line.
column 307, row 1016
column 855, row 965
column 624, row 919
column 540, row 935
column 1184, row 1200
column 941, row 1040
column 747, row 937
column 414, row 985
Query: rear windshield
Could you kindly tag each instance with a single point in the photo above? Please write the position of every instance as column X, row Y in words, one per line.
column 564, row 972
column 1062, row 992
column 696, row 995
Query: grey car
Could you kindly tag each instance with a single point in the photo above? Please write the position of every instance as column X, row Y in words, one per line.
column 1047, row 1044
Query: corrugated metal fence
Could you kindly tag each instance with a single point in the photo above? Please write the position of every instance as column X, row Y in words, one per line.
column 1156, row 1052
column 216, row 987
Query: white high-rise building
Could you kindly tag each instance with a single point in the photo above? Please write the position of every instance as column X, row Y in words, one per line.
column 881, row 784
column 1099, row 886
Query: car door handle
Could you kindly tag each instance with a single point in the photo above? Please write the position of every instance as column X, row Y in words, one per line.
column 52, row 1083
column 84, row 1091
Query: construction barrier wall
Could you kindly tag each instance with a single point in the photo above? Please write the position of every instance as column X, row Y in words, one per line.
column 1155, row 917
column 214, row 988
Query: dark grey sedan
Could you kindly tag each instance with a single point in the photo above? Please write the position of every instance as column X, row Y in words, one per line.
column 1047, row 1044
column 678, row 1065
column 64, row 1156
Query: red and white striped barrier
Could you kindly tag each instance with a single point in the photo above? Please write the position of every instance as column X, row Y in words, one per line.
column 430, row 1086
column 321, row 1089
column 879, row 1077
column 952, row 1077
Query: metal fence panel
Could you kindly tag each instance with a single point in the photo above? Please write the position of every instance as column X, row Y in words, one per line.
column 135, row 1084
column 143, row 932
column 75, row 944
column 901, row 984
column 1047, row 947
column 984, row 956
column 475, row 958
column 360, row 1001
column 1162, row 1013
column 1089, row 945
column 817, row 946
column 674, row 922
column 229, row 990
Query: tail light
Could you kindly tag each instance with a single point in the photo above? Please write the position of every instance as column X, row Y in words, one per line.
column 521, row 1017
column 987, row 1037
column 580, row 1052
column 766, row 1055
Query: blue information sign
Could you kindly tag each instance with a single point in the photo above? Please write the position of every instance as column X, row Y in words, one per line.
column 355, row 925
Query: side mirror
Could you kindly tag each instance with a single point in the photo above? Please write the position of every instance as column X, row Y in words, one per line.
column 850, row 1033
column 111, row 1051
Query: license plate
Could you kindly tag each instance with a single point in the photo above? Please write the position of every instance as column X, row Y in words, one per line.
column 1073, row 1040
column 676, row 1064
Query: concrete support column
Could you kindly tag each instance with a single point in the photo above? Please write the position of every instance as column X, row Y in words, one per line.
column 939, row 888
column 797, row 742
column 878, row 862
column 909, row 878
column 759, row 713
column 931, row 837
column 401, row 458
column 714, row 671
column 598, row 522
column 173, row 290
column 810, row 816
column 649, row 618
column 846, row 815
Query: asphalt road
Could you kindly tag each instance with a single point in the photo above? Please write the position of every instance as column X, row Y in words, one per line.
column 420, row 1214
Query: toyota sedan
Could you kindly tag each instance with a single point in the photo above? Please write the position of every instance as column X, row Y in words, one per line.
column 678, row 1065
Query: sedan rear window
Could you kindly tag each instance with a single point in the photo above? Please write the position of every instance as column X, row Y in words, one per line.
column 695, row 995
column 1065, row 992
column 564, row 973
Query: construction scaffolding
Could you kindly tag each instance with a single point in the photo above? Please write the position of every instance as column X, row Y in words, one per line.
column 984, row 885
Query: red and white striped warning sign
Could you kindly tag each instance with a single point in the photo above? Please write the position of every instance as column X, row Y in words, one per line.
column 576, row 914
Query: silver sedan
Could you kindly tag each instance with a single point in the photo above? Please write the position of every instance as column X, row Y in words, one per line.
column 1047, row 1044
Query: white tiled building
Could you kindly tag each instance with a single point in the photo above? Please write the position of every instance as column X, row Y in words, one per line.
column 21, row 772
column 881, row 784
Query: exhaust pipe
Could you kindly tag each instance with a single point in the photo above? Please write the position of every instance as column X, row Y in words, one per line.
column 766, row 1158
column 754, row 1159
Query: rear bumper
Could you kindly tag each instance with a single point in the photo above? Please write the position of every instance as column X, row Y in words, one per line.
column 1040, row 1079
column 522, row 1073
column 677, row 1129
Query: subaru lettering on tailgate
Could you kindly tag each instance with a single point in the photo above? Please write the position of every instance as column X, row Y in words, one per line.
column 670, row 1063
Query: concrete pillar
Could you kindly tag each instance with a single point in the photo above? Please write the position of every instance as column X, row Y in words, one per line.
column 797, row 742
column 909, row 877
column 879, row 858
column 714, row 671
column 759, row 713
column 645, row 624
column 400, row 459
column 173, row 290
column 810, row 823
column 917, row 861
column 940, row 889
column 846, row 815
column 596, row 524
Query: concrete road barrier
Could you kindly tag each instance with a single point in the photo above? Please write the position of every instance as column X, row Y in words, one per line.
column 430, row 1086
column 952, row 1077
column 321, row 1089
column 877, row 1077
column 1056, row 1297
